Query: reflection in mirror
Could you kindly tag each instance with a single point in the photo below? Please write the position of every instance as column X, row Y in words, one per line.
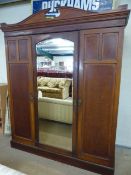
column 55, row 92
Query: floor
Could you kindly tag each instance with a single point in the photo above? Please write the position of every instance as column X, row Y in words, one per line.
column 0, row 130
column 4, row 170
column 31, row 164
column 0, row 125
column 55, row 134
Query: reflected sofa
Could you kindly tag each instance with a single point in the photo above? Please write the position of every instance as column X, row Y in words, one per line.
column 54, row 87
column 53, row 109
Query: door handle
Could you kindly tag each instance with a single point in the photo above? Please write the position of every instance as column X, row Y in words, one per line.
column 31, row 97
column 79, row 102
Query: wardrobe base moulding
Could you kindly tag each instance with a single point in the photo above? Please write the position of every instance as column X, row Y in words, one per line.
column 70, row 160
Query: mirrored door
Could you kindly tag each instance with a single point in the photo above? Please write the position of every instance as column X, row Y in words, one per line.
column 55, row 67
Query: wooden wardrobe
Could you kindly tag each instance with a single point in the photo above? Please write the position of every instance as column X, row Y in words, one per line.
column 98, row 39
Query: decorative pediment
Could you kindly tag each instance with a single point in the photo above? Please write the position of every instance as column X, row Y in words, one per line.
column 68, row 15
column 65, row 13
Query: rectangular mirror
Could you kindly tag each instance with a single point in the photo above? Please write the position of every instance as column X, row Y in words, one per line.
column 55, row 92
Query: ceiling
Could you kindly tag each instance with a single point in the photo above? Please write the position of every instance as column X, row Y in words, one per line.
column 55, row 46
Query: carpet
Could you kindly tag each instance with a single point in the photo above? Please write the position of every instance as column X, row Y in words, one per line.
column 35, row 165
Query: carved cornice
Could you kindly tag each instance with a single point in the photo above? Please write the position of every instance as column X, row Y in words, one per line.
column 67, row 16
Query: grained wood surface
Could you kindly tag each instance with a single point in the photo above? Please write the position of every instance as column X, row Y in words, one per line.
column 21, row 88
column 99, row 40
column 72, row 36
column 100, row 61
column 74, row 16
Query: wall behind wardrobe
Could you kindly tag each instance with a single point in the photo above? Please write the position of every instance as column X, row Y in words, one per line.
column 15, row 13
column 124, row 114
column 10, row 14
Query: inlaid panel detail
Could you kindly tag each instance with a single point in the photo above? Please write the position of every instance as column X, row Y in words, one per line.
column 23, row 49
column 99, row 82
column 109, row 46
column 12, row 50
column 19, row 75
column 91, row 44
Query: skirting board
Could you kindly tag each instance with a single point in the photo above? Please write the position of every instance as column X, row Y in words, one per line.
column 123, row 146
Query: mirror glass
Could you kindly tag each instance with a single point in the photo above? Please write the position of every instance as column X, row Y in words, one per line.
column 55, row 92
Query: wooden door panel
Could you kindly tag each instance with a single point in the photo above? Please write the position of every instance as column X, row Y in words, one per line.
column 19, row 85
column 20, row 78
column 22, row 118
column 101, row 45
column 19, row 75
column 24, row 53
column 96, row 118
column 92, row 46
column 99, row 81
column 12, row 50
column 110, row 46
column 71, row 36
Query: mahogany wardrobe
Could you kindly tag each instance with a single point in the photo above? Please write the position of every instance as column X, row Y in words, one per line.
column 97, row 58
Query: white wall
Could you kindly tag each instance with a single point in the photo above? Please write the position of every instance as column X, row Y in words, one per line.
column 124, row 114
column 17, row 13
column 68, row 61
column 10, row 14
